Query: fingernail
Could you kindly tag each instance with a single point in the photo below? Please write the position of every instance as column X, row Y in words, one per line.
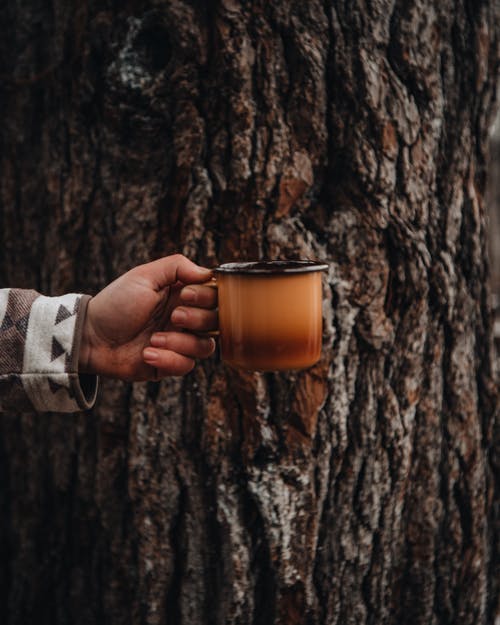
column 157, row 340
column 179, row 316
column 150, row 354
column 209, row 344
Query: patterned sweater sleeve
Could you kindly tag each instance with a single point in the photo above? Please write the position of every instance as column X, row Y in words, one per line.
column 39, row 346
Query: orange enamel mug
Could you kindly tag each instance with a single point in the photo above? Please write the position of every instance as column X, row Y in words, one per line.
column 270, row 314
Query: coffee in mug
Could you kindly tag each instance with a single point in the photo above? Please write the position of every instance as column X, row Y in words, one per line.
column 270, row 314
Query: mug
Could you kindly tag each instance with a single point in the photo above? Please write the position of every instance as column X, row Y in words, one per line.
column 270, row 314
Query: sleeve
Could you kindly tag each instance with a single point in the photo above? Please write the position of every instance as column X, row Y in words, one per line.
column 39, row 346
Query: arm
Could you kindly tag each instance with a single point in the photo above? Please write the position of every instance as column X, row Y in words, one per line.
column 147, row 324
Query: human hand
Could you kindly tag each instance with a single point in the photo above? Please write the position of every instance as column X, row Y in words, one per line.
column 141, row 326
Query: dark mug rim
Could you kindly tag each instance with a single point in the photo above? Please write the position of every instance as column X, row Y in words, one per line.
column 268, row 267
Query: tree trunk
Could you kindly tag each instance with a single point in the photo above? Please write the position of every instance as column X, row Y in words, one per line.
column 363, row 490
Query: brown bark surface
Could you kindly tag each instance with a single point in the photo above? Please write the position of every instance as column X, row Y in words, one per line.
column 364, row 490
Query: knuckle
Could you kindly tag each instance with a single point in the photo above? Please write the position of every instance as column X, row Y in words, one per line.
column 178, row 258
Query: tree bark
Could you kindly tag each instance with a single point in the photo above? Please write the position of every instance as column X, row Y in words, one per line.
column 363, row 490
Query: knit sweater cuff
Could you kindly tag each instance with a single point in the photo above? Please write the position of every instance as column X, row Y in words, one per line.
column 49, row 375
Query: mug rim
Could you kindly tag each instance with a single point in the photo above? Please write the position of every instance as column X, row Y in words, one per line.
column 272, row 267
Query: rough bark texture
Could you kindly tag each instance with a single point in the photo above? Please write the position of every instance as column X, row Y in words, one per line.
column 493, row 198
column 365, row 490
column 493, row 202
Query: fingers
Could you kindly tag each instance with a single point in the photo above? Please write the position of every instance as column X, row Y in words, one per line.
column 199, row 295
column 167, row 363
column 173, row 353
column 184, row 343
column 172, row 269
column 194, row 319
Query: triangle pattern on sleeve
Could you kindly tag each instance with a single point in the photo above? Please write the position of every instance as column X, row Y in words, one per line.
column 62, row 314
column 7, row 323
column 57, row 349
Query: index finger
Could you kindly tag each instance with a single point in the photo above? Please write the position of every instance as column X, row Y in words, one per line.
column 171, row 270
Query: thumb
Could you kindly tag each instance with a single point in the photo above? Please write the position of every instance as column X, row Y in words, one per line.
column 172, row 269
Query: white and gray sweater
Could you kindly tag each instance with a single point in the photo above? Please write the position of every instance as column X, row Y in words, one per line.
column 39, row 346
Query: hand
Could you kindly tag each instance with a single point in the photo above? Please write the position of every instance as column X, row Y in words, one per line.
column 140, row 327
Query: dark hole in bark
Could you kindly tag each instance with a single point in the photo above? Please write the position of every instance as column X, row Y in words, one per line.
column 155, row 43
